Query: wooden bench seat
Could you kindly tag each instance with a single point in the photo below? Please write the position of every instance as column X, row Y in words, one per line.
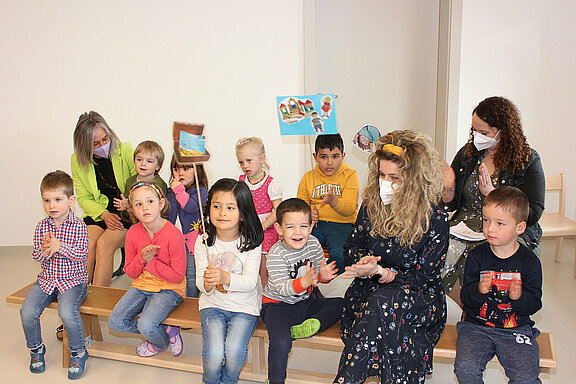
column 101, row 300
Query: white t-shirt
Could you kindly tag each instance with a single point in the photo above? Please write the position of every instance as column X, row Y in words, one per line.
column 243, row 294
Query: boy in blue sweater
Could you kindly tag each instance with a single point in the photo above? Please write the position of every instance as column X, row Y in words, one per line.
column 502, row 287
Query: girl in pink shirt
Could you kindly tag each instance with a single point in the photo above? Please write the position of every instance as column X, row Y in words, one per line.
column 156, row 260
column 266, row 191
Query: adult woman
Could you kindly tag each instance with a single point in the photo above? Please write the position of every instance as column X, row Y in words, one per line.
column 101, row 164
column 497, row 154
column 395, row 307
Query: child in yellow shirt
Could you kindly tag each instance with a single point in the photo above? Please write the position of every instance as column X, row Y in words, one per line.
column 331, row 189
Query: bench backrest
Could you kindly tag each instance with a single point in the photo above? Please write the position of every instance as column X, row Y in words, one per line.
column 556, row 183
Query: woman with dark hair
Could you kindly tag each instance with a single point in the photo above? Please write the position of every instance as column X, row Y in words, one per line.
column 101, row 165
column 395, row 308
column 497, row 154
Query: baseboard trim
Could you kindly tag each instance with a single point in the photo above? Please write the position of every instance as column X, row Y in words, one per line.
column 11, row 249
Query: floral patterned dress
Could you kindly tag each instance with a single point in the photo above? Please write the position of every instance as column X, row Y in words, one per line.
column 390, row 330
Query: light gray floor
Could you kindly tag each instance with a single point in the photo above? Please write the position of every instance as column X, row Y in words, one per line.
column 17, row 269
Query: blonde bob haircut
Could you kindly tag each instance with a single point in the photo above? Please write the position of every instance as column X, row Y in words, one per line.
column 86, row 128
column 418, row 189
column 256, row 144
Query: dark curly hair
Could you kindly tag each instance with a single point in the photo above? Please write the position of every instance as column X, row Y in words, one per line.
column 501, row 113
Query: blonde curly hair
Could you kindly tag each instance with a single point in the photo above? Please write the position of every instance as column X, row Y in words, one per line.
column 419, row 187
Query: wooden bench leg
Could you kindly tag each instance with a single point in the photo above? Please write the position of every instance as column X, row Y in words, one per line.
column 559, row 241
column 257, row 347
column 91, row 329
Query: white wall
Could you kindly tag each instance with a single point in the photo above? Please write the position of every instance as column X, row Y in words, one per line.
column 524, row 50
column 380, row 58
column 142, row 65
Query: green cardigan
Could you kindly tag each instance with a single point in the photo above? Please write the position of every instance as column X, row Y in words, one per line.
column 89, row 197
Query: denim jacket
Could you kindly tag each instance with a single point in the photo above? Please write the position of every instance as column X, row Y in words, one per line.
column 530, row 180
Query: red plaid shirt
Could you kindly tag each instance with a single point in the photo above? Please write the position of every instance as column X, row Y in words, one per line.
column 67, row 267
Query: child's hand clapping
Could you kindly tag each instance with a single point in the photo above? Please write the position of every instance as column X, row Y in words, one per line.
column 50, row 244
column 515, row 289
column 328, row 271
column 486, row 283
column 330, row 198
column 149, row 252
column 121, row 203
column 310, row 278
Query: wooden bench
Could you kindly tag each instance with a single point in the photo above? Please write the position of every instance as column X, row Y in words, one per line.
column 101, row 300
column 556, row 224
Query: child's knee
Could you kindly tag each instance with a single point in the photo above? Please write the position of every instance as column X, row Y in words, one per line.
column 29, row 312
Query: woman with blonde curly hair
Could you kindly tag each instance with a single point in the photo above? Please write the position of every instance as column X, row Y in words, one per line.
column 395, row 307
column 497, row 154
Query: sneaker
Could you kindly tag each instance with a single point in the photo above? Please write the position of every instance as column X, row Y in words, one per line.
column 176, row 346
column 308, row 328
column 77, row 366
column 37, row 362
column 147, row 349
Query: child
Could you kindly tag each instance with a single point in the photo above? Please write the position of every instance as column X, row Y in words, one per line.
column 148, row 159
column 184, row 205
column 156, row 260
column 61, row 247
column 331, row 189
column 227, row 277
column 288, row 309
column 266, row 191
column 502, row 287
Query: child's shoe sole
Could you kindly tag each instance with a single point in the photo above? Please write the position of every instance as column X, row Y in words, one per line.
column 308, row 328
column 177, row 346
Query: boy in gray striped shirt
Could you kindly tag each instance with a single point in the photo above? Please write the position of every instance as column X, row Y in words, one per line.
column 295, row 264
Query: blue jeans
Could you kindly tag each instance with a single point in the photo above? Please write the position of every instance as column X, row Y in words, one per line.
column 516, row 349
column 333, row 236
column 153, row 307
column 68, row 309
column 225, row 337
column 191, row 288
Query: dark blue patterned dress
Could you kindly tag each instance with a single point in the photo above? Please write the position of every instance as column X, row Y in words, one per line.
column 390, row 330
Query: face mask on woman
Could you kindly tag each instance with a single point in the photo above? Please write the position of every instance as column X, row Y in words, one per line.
column 103, row 151
column 386, row 191
column 482, row 142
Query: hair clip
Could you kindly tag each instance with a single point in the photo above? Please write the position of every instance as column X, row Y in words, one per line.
column 242, row 142
column 142, row 184
column 393, row 149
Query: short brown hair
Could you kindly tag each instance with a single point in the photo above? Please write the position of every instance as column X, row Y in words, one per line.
column 57, row 180
column 152, row 148
column 512, row 200
column 292, row 205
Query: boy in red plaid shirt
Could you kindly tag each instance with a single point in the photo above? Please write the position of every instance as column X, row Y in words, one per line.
column 61, row 246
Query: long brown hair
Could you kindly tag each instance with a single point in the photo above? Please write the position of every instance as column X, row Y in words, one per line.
column 501, row 113
column 417, row 190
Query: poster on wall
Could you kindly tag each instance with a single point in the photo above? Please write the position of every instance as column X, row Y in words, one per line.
column 307, row 115
column 366, row 137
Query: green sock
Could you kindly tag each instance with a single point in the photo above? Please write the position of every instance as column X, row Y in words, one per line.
column 308, row 328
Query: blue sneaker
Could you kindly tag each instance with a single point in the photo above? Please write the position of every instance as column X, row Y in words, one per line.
column 77, row 366
column 37, row 362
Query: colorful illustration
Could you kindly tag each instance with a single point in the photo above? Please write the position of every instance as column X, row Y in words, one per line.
column 365, row 139
column 189, row 142
column 226, row 261
column 307, row 115
column 191, row 145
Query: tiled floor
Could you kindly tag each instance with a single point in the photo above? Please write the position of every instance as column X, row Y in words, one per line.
column 17, row 269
